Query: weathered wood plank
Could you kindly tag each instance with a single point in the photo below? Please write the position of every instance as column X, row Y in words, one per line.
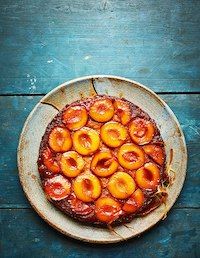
column 153, row 42
column 16, row 108
column 25, row 234
column 14, row 111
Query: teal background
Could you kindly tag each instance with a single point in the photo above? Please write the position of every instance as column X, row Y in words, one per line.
column 43, row 44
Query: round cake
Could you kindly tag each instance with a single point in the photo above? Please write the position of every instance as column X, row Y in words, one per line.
column 102, row 161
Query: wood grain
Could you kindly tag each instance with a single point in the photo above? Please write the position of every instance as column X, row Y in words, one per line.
column 18, row 107
column 25, row 234
column 44, row 43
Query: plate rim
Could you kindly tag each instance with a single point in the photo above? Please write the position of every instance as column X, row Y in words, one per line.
column 79, row 79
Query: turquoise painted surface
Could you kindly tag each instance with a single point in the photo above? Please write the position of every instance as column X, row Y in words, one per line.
column 44, row 43
column 29, row 236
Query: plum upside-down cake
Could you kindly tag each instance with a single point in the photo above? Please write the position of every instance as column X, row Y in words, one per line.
column 102, row 161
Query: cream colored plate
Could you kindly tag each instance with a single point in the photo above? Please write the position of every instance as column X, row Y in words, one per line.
column 48, row 107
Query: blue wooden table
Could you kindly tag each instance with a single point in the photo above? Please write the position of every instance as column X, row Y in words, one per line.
column 44, row 43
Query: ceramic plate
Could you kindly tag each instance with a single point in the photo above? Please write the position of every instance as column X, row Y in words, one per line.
column 48, row 107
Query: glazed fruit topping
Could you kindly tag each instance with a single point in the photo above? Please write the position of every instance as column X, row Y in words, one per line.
column 80, row 207
column 71, row 163
column 113, row 134
column 141, row 131
column 75, row 117
column 104, row 158
column 102, row 110
column 135, row 202
column 155, row 152
column 148, row 176
column 86, row 141
column 104, row 164
column 121, row 185
column 57, row 187
column 107, row 209
column 50, row 161
column 87, row 187
column 123, row 111
column 60, row 139
column 131, row 156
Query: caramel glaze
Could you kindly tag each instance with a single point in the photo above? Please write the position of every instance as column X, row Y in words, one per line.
column 84, row 212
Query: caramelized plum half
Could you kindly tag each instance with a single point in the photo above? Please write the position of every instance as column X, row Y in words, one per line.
column 113, row 134
column 80, row 207
column 107, row 209
column 135, row 202
column 50, row 161
column 75, row 117
column 57, row 187
column 71, row 163
column 86, row 141
column 121, row 185
column 148, row 176
column 104, row 164
column 155, row 152
column 123, row 111
column 60, row 139
column 87, row 187
column 131, row 156
column 102, row 110
column 141, row 131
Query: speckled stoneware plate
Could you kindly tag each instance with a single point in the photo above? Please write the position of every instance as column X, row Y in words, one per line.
column 48, row 107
